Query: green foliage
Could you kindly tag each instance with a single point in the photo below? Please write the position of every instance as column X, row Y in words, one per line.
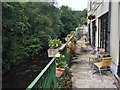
column 54, row 43
column 71, row 19
column 15, row 27
column 65, row 81
column 28, row 26
column 59, row 61
column 61, row 64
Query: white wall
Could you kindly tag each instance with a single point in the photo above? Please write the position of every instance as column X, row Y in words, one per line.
column 114, row 32
column 101, row 10
column 114, row 35
column 119, row 28
column 98, row 11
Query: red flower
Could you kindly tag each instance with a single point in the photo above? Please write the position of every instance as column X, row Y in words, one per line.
column 91, row 17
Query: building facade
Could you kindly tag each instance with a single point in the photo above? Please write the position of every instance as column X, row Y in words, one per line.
column 104, row 29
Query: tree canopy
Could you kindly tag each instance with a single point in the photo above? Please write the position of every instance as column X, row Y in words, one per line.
column 26, row 27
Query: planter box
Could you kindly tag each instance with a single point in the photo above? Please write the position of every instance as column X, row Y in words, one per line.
column 52, row 52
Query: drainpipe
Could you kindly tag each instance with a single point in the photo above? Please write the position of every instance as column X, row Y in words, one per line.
column 109, row 24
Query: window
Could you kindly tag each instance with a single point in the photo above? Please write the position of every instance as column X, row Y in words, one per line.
column 103, row 30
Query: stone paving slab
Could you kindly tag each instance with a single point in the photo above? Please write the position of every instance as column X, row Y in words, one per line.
column 82, row 73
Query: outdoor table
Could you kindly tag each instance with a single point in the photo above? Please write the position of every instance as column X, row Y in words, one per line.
column 104, row 54
column 98, row 57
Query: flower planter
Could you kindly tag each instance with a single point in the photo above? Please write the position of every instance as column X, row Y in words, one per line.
column 59, row 72
column 52, row 52
column 74, row 46
column 91, row 17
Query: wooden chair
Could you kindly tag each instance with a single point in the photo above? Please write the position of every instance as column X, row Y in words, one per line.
column 103, row 65
column 101, row 50
column 84, row 46
column 93, row 57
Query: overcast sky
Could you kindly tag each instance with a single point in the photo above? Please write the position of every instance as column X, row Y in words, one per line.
column 74, row 4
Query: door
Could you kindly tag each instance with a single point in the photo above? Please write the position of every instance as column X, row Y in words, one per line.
column 104, row 31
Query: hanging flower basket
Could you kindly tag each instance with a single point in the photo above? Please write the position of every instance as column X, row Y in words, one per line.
column 91, row 17
column 59, row 72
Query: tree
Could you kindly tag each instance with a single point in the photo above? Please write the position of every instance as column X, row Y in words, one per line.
column 14, row 25
column 71, row 19
column 28, row 26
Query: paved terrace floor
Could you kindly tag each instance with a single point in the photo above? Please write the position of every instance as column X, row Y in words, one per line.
column 82, row 72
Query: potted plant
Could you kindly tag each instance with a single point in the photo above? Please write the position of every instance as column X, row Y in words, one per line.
column 54, row 44
column 74, row 40
column 91, row 17
column 71, row 48
column 60, row 65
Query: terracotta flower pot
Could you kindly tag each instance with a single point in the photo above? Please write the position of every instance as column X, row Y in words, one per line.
column 59, row 72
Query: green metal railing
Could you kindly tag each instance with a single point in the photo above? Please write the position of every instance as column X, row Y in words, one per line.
column 47, row 77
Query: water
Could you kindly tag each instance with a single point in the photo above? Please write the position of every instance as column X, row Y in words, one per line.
column 23, row 73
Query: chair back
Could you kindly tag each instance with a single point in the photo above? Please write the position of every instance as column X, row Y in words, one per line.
column 101, row 50
column 106, row 61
